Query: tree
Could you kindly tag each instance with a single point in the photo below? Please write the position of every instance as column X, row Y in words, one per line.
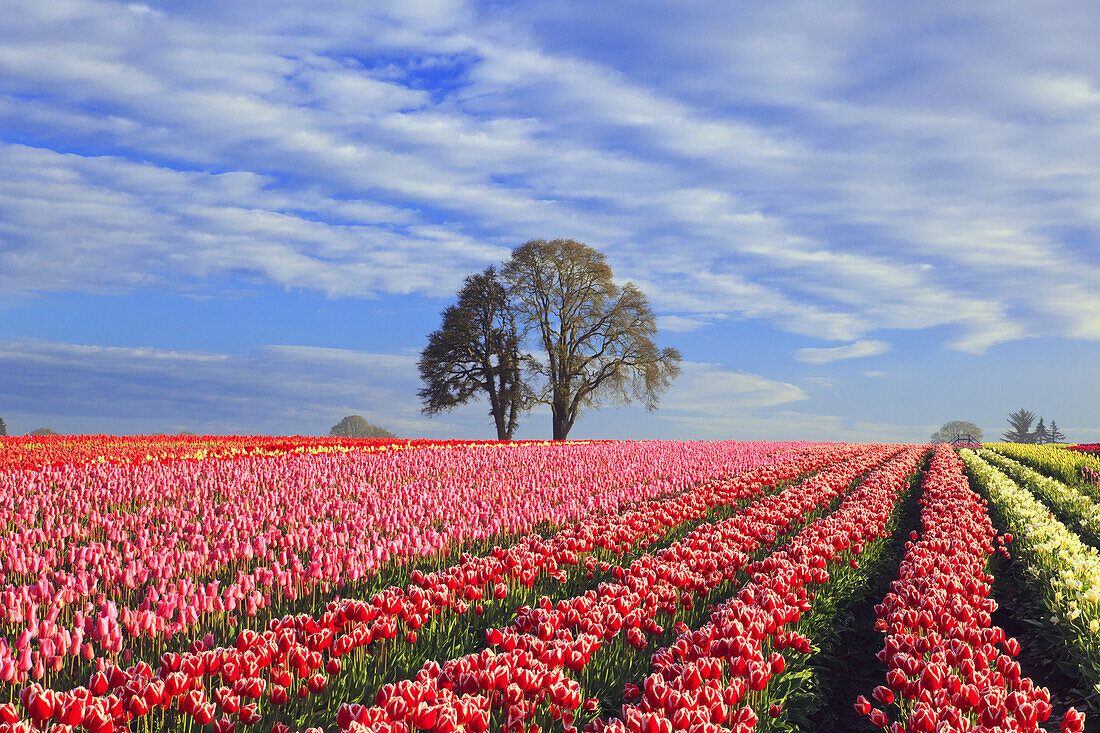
column 44, row 431
column 1056, row 435
column 1042, row 435
column 952, row 430
column 476, row 350
column 356, row 426
column 3, row 427
column 597, row 337
column 1020, row 423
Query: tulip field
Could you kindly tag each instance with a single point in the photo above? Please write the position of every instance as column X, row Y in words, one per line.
column 306, row 585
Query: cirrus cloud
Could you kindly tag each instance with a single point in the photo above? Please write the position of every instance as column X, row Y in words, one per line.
column 856, row 350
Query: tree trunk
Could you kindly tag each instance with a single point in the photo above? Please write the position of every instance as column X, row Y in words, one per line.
column 496, row 408
column 561, row 420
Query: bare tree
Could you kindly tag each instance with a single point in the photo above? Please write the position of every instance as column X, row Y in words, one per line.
column 1020, row 427
column 476, row 350
column 597, row 337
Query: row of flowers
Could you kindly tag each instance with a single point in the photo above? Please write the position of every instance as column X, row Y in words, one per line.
column 1078, row 509
column 949, row 667
column 32, row 452
column 525, row 678
column 118, row 559
column 1067, row 570
column 297, row 655
column 1074, row 468
column 752, row 640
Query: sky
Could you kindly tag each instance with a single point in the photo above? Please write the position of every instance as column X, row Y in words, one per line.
column 856, row 220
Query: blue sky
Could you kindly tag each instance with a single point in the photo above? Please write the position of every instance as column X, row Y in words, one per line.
column 856, row 220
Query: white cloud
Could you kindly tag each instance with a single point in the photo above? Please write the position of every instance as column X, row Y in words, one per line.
column 710, row 389
column 854, row 350
column 305, row 389
column 874, row 373
column 275, row 389
column 783, row 165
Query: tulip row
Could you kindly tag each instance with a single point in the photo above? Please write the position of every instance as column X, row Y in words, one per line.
column 30, row 452
column 1077, row 509
column 117, row 559
column 580, row 555
column 737, row 656
column 455, row 588
column 1073, row 468
column 544, row 639
column 1067, row 569
column 949, row 667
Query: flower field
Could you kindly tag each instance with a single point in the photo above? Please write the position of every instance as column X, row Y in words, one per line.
column 221, row 584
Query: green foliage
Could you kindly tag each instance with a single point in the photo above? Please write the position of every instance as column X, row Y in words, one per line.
column 3, row 427
column 951, row 430
column 1020, row 427
column 476, row 351
column 356, row 426
column 44, row 431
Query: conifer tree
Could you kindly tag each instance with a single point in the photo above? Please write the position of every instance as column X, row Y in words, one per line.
column 1042, row 435
column 1020, row 423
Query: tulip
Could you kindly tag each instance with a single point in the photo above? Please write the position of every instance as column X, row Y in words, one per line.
column 1073, row 721
column 250, row 714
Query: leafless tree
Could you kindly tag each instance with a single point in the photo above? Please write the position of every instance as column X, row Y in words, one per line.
column 597, row 337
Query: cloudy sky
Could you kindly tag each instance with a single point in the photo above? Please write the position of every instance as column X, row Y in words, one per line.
column 856, row 220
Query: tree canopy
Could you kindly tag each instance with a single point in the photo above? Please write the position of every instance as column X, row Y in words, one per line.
column 1042, row 435
column 475, row 351
column 356, row 426
column 595, row 337
column 955, row 428
column 44, row 431
column 1020, row 427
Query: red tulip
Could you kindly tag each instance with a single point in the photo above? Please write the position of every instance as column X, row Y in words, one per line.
column 884, row 695
column 250, row 714
column 1073, row 721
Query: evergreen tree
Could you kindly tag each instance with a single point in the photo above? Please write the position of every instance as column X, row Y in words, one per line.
column 3, row 427
column 1020, row 423
column 1042, row 435
column 1056, row 435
